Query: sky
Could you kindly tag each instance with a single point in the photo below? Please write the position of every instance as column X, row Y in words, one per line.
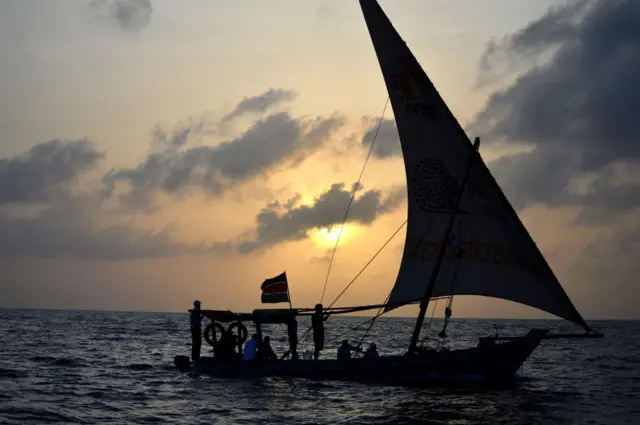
column 152, row 154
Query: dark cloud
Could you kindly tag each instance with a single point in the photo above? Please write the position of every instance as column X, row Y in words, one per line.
column 574, row 110
column 261, row 103
column 523, row 47
column 178, row 137
column 289, row 221
column 387, row 141
column 607, row 197
column 621, row 244
column 128, row 15
column 273, row 141
column 45, row 170
column 65, row 222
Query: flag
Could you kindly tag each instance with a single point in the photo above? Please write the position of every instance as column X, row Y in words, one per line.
column 275, row 290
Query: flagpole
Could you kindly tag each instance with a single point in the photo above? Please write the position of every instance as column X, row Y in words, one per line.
column 288, row 292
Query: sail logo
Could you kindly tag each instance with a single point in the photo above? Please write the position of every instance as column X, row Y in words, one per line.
column 435, row 190
column 411, row 94
column 470, row 250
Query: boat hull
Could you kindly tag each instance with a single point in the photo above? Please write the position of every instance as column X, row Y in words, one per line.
column 489, row 361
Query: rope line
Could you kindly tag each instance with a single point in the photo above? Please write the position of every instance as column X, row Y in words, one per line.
column 368, row 263
column 351, row 283
column 378, row 314
column 353, row 194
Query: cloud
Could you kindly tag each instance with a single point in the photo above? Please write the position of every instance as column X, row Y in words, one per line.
column 179, row 136
column 387, row 141
column 290, row 221
column 522, row 49
column 261, row 103
column 73, row 227
column 572, row 111
column 276, row 140
column 66, row 222
column 45, row 171
column 129, row 15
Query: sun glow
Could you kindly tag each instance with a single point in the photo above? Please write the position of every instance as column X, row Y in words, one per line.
column 327, row 236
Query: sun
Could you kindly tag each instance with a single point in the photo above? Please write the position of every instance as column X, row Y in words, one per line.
column 327, row 236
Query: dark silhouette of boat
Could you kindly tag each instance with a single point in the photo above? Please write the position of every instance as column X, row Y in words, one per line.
column 463, row 238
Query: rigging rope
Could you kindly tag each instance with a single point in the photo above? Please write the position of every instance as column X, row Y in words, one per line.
column 353, row 194
column 378, row 314
column 370, row 320
column 353, row 280
column 368, row 263
column 435, row 306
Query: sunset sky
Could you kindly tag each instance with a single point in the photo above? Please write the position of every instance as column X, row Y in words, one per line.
column 155, row 152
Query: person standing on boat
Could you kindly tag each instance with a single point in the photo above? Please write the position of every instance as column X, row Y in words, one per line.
column 292, row 330
column 196, row 330
column 317, row 323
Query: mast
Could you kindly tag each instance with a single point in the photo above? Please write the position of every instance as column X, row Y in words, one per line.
column 425, row 300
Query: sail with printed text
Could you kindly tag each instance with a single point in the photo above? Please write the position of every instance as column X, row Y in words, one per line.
column 498, row 258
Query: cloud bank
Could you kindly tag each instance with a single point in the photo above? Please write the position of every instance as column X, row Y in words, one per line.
column 45, row 213
column 45, row 171
column 574, row 114
column 287, row 221
column 570, row 113
column 277, row 140
column 261, row 103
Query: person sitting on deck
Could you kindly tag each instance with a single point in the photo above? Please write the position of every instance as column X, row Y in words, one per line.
column 345, row 349
column 225, row 349
column 251, row 348
column 371, row 354
column 195, row 317
column 317, row 324
column 221, row 348
column 266, row 351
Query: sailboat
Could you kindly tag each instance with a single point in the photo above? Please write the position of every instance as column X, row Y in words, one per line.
column 463, row 238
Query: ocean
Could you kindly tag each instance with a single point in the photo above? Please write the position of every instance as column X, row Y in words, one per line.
column 89, row 367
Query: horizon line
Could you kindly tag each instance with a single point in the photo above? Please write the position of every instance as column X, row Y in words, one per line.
column 348, row 315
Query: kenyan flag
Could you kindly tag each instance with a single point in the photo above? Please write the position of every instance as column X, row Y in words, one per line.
column 275, row 290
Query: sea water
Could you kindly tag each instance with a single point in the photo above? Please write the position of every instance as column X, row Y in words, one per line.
column 87, row 367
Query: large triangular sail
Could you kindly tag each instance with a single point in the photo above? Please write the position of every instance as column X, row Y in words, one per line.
column 490, row 251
